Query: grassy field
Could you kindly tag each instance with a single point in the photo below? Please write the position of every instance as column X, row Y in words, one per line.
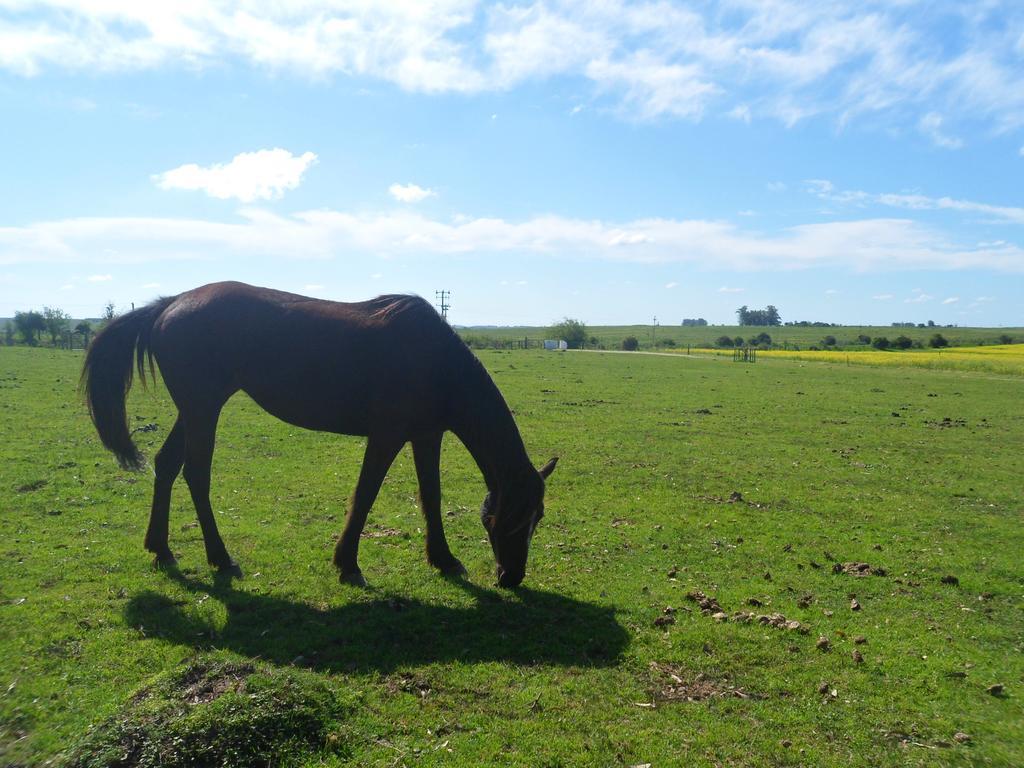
column 693, row 496
column 997, row 359
column 611, row 336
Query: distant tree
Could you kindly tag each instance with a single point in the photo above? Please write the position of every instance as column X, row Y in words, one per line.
column 938, row 341
column 864, row 339
column 880, row 342
column 666, row 343
column 768, row 316
column 724, row 341
column 738, row 341
column 762, row 340
column 572, row 331
column 9, row 334
column 57, row 321
column 1005, row 338
column 931, row 323
column 84, row 328
column 29, row 324
column 594, row 342
column 630, row 344
column 829, row 341
column 903, row 342
column 109, row 312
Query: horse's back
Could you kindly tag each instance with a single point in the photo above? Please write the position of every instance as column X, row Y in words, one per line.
column 344, row 367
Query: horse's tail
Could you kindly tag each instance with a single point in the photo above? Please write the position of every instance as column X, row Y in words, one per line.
column 107, row 376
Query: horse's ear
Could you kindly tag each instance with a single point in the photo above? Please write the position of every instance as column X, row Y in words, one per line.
column 548, row 468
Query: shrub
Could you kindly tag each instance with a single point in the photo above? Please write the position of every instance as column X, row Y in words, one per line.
column 630, row 344
column 738, row 341
column 829, row 341
column 724, row 341
column 573, row 331
column 880, row 342
column 903, row 342
column 864, row 339
column 666, row 342
column 938, row 341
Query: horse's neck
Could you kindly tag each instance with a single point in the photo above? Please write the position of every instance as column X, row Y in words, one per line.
column 484, row 423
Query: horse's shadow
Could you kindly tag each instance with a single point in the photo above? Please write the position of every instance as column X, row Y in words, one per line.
column 390, row 632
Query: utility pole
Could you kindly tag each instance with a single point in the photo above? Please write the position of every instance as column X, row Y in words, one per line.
column 654, row 331
column 443, row 298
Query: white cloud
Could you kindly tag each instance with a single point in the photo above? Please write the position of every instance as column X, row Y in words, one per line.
column 920, row 298
column 826, row 190
column 951, row 300
column 151, row 286
column 831, row 291
column 410, row 193
column 740, row 112
column 931, row 126
column 866, row 245
column 262, row 175
column 727, row 289
column 784, row 59
column 671, row 285
column 99, row 278
column 882, row 297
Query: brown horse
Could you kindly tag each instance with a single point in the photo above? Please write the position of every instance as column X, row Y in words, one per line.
column 389, row 369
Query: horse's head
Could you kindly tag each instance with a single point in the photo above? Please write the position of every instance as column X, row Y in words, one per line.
column 510, row 517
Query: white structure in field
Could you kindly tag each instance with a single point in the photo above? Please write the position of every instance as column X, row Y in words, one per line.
column 553, row 344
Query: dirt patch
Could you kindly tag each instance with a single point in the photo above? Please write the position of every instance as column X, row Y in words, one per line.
column 382, row 533
column 672, row 683
column 216, row 712
column 406, row 682
column 859, row 569
column 35, row 485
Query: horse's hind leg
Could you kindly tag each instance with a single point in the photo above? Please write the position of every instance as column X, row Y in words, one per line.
column 427, row 455
column 380, row 453
column 167, row 465
column 200, row 433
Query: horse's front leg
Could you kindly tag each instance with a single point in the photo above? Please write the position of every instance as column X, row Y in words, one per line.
column 380, row 453
column 427, row 455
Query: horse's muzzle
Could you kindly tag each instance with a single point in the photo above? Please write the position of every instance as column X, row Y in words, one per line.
column 509, row 579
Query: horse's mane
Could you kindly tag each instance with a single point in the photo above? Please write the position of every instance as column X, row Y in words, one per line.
column 392, row 305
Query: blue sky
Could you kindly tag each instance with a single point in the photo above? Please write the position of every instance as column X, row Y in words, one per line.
column 856, row 162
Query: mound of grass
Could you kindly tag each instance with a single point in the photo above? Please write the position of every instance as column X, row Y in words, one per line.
column 213, row 712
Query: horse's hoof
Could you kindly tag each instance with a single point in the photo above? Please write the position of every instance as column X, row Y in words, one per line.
column 454, row 571
column 164, row 562
column 230, row 568
column 355, row 579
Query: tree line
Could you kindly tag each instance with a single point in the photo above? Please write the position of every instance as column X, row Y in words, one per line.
column 54, row 322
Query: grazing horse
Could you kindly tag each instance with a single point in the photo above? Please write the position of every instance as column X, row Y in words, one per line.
column 389, row 369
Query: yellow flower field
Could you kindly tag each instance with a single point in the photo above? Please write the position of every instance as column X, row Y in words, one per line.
column 1004, row 359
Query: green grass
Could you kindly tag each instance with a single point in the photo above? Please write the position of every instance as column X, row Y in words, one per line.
column 833, row 463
